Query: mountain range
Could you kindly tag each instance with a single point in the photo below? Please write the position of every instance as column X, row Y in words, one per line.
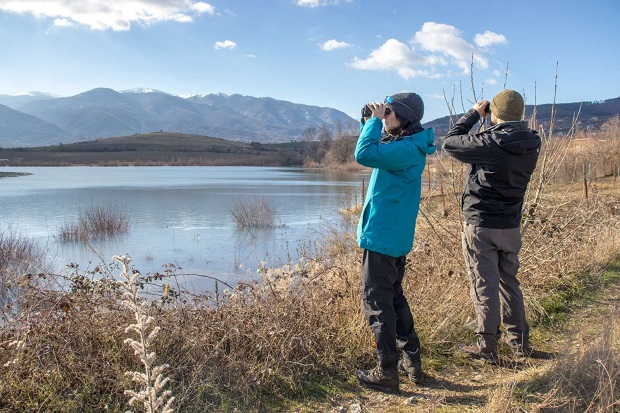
column 592, row 115
column 39, row 119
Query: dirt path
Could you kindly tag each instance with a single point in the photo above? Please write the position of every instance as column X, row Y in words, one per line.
column 475, row 386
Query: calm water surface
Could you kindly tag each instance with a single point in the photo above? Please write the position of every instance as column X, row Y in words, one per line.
column 179, row 215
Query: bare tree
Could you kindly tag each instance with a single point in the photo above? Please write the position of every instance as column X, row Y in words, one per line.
column 326, row 137
column 309, row 144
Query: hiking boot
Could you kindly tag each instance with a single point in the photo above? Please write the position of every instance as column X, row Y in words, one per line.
column 379, row 378
column 413, row 371
column 518, row 349
column 477, row 352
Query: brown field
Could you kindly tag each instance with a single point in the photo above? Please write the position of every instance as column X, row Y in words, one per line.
column 155, row 149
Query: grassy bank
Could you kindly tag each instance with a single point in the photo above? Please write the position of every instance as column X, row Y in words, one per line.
column 292, row 340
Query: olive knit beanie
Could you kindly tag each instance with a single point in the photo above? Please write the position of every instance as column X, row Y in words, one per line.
column 508, row 105
column 409, row 106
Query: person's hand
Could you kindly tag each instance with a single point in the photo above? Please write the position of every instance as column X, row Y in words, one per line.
column 377, row 109
column 480, row 106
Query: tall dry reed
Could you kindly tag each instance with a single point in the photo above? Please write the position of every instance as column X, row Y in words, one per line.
column 256, row 212
column 96, row 221
column 152, row 380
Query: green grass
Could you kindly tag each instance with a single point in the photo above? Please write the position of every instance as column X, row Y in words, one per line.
column 570, row 293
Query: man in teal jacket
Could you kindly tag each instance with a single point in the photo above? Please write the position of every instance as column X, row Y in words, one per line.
column 386, row 230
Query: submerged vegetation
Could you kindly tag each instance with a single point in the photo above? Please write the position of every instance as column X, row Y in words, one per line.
column 96, row 221
column 256, row 212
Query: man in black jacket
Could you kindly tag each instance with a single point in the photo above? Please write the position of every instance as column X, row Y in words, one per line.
column 502, row 160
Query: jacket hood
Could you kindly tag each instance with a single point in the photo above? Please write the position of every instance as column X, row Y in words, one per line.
column 425, row 140
column 515, row 137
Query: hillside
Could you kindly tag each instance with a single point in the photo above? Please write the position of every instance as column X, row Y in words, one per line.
column 39, row 119
column 591, row 116
column 22, row 129
column 103, row 112
column 159, row 148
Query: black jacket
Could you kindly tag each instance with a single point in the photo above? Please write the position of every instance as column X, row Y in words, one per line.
column 502, row 160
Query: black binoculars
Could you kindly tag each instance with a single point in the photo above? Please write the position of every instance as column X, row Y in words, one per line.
column 366, row 112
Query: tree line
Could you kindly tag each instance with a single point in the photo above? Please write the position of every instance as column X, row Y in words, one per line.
column 329, row 146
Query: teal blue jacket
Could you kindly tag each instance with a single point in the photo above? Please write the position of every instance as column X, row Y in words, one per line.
column 387, row 223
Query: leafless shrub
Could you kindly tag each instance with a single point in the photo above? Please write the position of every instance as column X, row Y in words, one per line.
column 96, row 221
column 21, row 262
column 257, row 212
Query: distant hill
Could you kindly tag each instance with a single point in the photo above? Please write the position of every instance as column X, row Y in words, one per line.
column 38, row 119
column 20, row 129
column 103, row 112
column 16, row 100
column 591, row 116
column 158, row 148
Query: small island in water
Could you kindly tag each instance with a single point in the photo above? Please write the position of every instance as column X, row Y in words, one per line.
column 11, row 174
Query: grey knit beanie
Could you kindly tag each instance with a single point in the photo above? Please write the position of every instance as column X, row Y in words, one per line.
column 508, row 105
column 409, row 106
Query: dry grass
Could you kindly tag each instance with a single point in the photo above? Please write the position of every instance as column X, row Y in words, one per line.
column 587, row 377
column 298, row 332
column 22, row 267
column 257, row 212
column 96, row 221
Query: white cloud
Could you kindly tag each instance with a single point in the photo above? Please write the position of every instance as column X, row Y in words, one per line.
column 116, row 15
column 435, row 50
column 447, row 40
column 309, row 3
column 436, row 96
column 319, row 3
column 496, row 72
column 63, row 23
column 491, row 81
column 201, row 7
column 226, row 44
column 394, row 56
column 334, row 44
column 489, row 38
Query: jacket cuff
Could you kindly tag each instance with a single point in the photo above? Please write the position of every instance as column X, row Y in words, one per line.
column 472, row 113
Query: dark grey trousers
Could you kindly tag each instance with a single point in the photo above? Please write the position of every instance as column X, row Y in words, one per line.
column 387, row 310
column 491, row 256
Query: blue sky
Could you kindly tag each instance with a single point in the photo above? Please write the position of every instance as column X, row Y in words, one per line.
column 334, row 53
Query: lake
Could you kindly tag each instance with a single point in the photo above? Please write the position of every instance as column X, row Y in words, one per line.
column 179, row 215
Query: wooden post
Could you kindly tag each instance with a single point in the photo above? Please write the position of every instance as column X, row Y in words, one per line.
column 585, row 183
column 443, row 198
column 363, row 190
column 428, row 173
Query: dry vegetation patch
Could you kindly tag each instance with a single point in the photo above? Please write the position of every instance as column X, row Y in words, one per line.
column 96, row 221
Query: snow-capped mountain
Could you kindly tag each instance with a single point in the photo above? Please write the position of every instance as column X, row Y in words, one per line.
column 14, row 100
column 103, row 112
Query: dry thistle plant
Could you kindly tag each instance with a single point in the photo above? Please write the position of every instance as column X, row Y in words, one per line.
column 152, row 396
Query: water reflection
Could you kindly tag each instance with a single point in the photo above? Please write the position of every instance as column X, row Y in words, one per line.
column 180, row 215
